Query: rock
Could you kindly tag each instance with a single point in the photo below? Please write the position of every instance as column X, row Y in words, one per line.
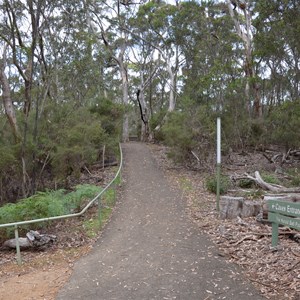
column 24, row 243
column 232, row 207
column 33, row 240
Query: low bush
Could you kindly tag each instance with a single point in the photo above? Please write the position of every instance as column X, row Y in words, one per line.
column 282, row 124
column 211, row 184
column 270, row 178
column 246, row 183
column 295, row 177
column 178, row 135
column 44, row 205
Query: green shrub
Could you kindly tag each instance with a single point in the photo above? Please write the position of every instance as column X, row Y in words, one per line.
column 78, row 146
column 236, row 123
column 211, row 184
column 257, row 132
column 72, row 201
column 7, row 159
column 46, row 204
column 157, row 118
column 190, row 128
column 295, row 177
column 283, row 125
column 73, row 138
column 110, row 114
column 178, row 135
column 40, row 205
column 246, row 183
column 270, row 178
column 254, row 194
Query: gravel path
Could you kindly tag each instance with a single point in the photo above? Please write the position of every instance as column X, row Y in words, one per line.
column 151, row 249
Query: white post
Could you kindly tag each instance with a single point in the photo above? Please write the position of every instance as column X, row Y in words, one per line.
column 19, row 260
column 218, row 161
column 218, row 140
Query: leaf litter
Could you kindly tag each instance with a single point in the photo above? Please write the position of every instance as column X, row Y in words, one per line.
column 275, row 272
column 247, row 243
column 43, row 273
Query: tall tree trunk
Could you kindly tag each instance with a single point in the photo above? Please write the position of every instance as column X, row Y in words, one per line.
column 7, row 102
column 145, row 124
column 123, row 73
column 143, row 111
column 246, row 37
column 172, row 86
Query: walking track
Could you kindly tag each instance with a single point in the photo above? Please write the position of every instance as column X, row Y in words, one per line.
column 151, row 249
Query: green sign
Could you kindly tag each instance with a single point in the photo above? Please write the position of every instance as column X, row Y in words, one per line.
column 284, row 208
column 283, row 213
column 284, row 220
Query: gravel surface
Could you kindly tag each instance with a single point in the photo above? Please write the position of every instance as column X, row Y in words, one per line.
column 151, row 249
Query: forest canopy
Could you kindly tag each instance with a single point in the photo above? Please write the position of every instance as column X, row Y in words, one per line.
column 78, row 75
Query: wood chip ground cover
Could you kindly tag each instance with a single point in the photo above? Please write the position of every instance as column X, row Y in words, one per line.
column 246, row 242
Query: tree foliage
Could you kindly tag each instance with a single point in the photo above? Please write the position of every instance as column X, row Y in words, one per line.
column 70, row 73
column 281, row 124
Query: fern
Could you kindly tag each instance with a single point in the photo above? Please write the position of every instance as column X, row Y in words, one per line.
column 46, row 204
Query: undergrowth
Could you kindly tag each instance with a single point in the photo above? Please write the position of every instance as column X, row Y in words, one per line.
column 44, row 205
column 211, row 184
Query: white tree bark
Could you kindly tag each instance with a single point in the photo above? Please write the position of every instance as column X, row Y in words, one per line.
column 33, row 240
column 119, row 59
column 246, row 36
column 271, row 187
column 172, row 85
column 123, row 73
column 6, row 97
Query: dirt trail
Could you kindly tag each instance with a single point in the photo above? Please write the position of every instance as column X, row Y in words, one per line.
column 151, row 249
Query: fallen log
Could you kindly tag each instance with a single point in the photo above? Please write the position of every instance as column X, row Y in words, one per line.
column 33, row 240
column 105, row 165
column 23, row 242
column 282, row 197
column 259, row 181
column 295, row 153
column 271, row 187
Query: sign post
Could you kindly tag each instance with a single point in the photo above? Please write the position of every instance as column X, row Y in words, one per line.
column 218, row 161
column 284, row 213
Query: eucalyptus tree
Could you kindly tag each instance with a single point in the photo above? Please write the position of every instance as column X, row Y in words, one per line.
column 147, row 70
column 7, row 98
column 74, row 67
column 241, row 14
column 212, row 69
column 21, row 35
column 155, row 20
column 278, row 48
column 108, row 23
column 49, row 67
column 150, row 83
column 212, row 75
